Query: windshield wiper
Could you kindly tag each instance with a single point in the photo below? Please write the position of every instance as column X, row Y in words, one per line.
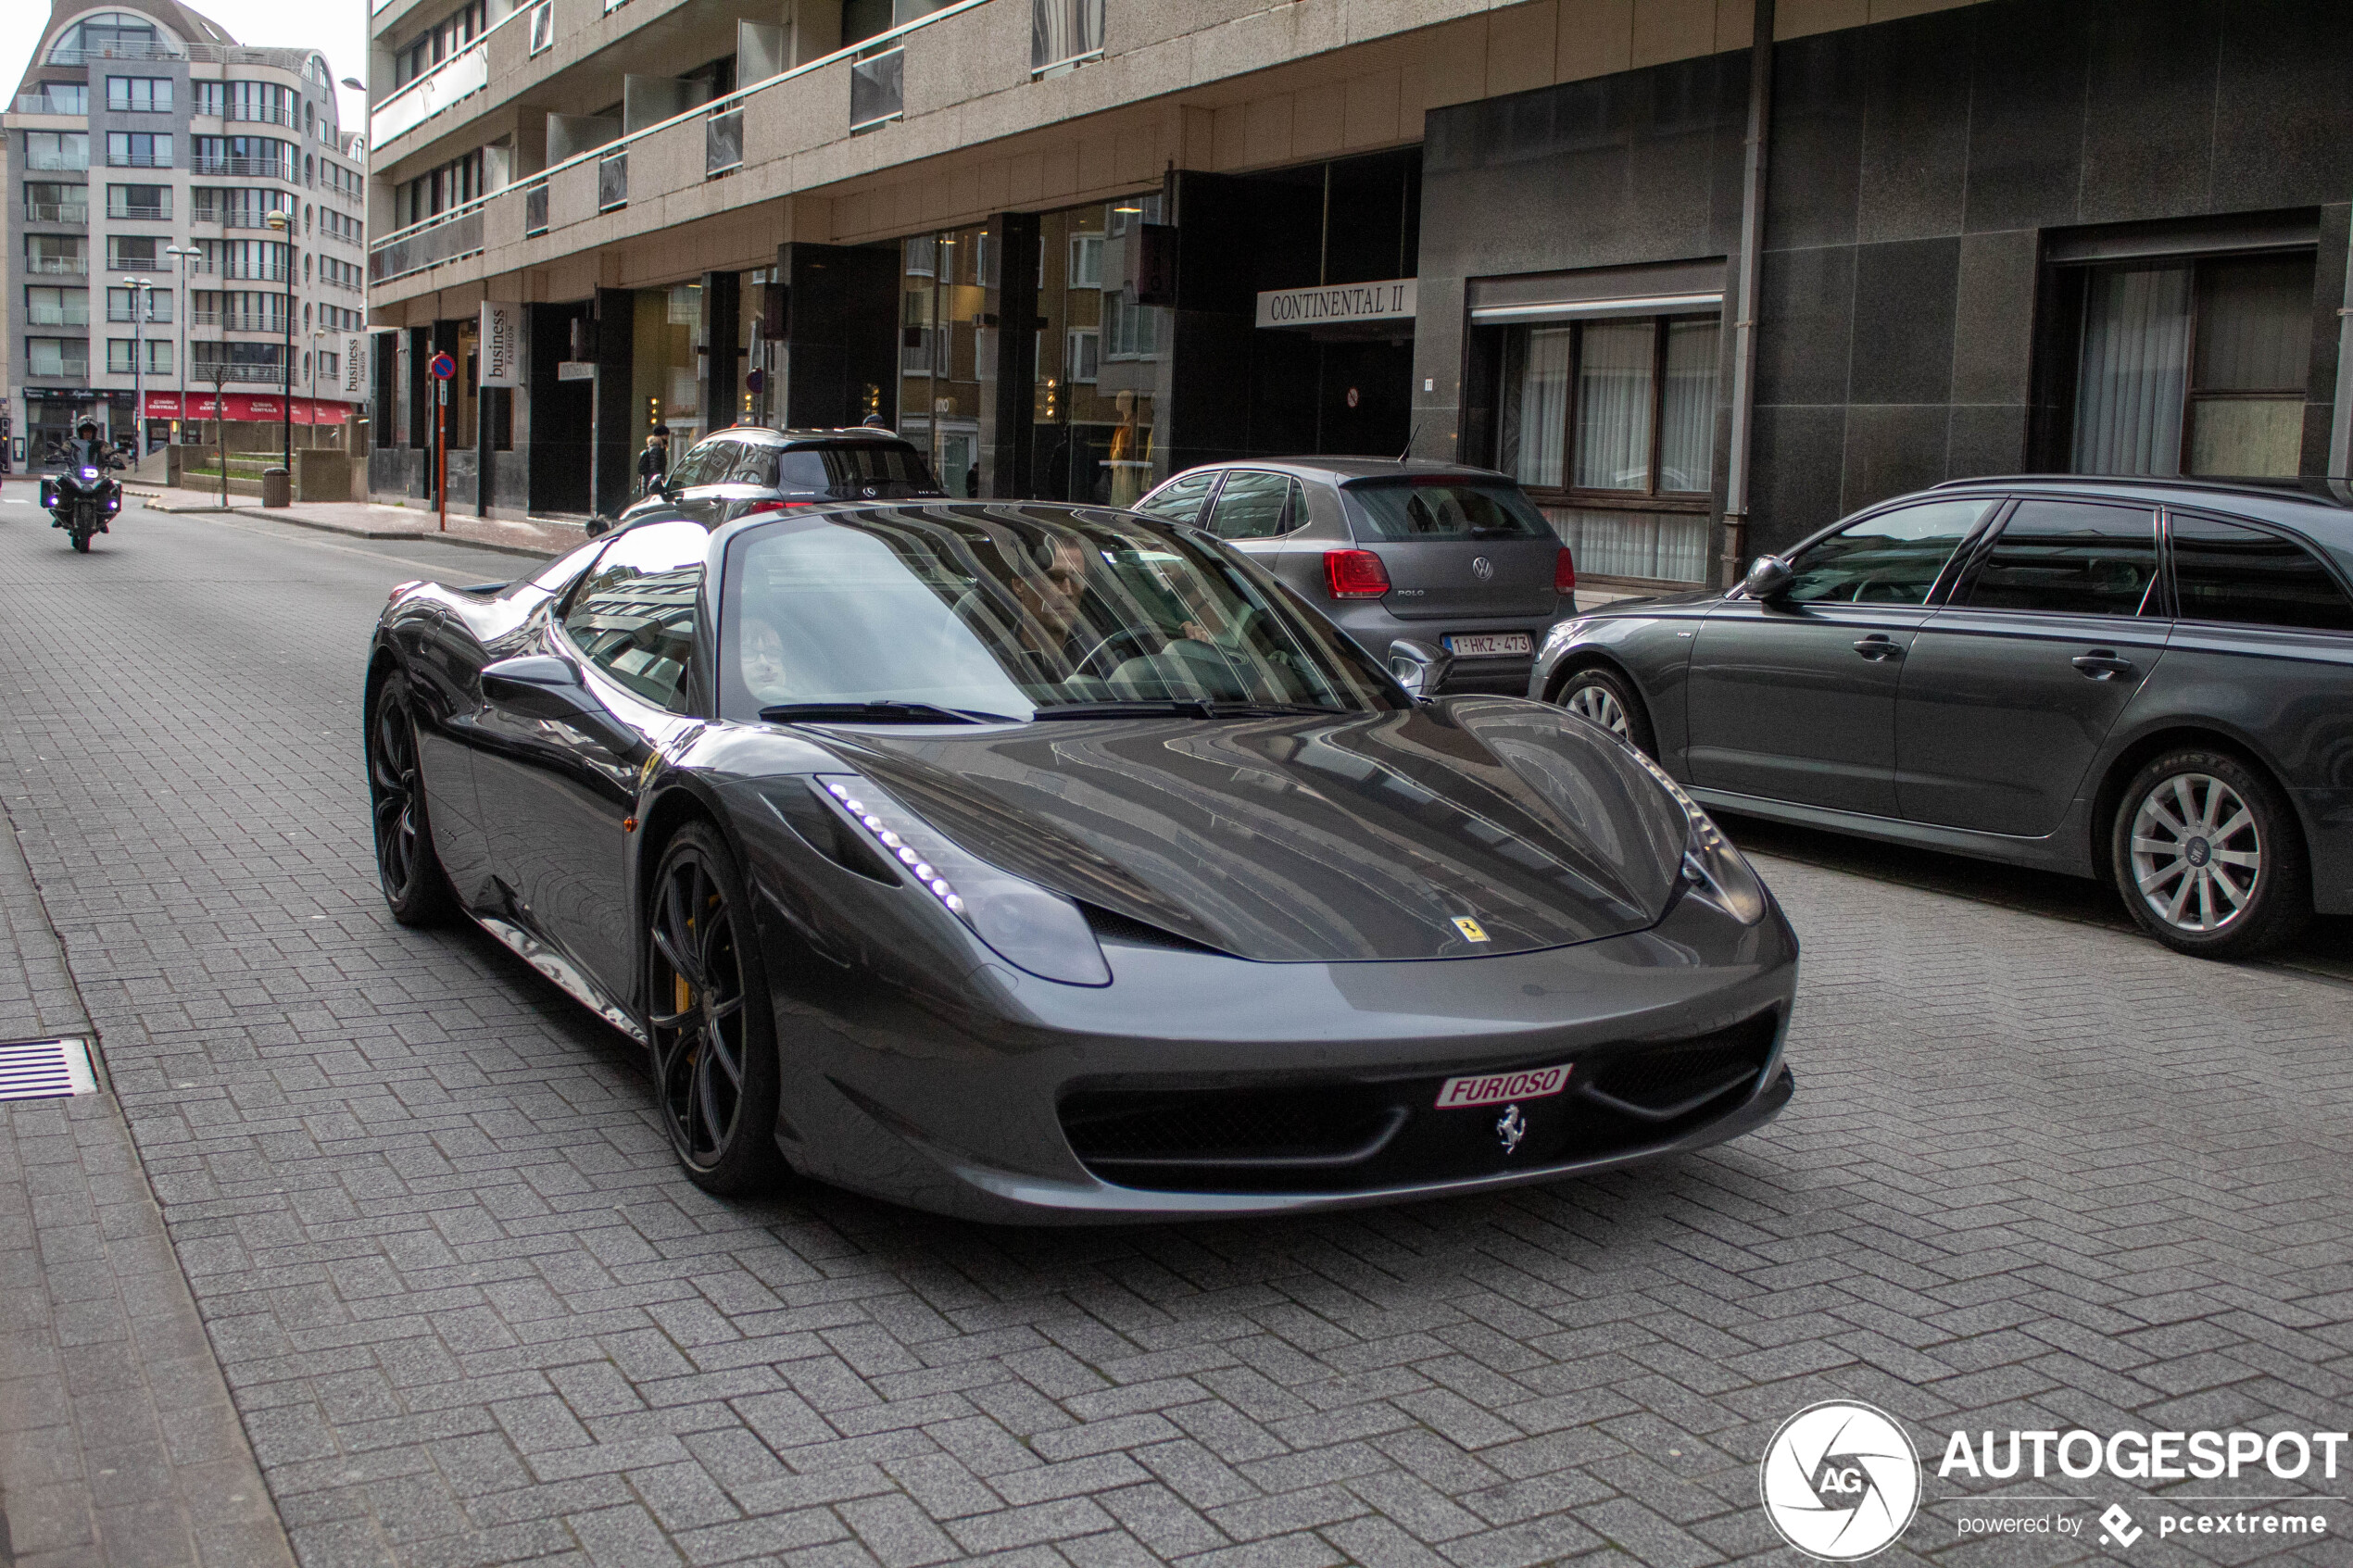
column 882, row 712
column 1181, row 708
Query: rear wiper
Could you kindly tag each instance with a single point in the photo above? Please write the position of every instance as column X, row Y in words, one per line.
column 1180, row 708
column 882, row 712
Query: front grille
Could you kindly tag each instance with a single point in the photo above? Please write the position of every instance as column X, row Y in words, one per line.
column 1353, row 1134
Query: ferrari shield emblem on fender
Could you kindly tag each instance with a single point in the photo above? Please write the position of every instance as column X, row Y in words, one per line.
column 1510, row 1127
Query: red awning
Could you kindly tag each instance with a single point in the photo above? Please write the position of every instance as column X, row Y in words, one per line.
column 246, row 406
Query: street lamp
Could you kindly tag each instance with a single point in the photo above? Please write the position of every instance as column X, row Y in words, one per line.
column 185, row 254
column 282, row 219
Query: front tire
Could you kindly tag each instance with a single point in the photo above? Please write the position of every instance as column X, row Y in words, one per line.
column 2209, row 858
column 709, row 1019
column 1607, row 699
column 414, row 884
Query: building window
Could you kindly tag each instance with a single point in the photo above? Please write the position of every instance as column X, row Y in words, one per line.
column 138, row 149
column 62, row 151
column 56, row 308
column 156, row 351
column 2194, row 367
column 135, row 253
column 57, row 254
column 48, row 201
column 1063, row 33
column 118, row 304
column 1082, row 352
column 139, row 201
column 139, row 94
column 56, row 356
column 1085, row 261
column 1616, row 409
column 1133, row 329
column 56, row 97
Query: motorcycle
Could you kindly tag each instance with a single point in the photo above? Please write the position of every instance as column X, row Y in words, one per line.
column 81, row 500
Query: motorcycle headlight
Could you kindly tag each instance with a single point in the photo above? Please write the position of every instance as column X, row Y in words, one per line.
column 1714, row 870
column 1033, row 930
column 89, row 473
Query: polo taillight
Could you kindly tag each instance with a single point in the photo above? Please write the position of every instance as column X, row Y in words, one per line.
column 1355, row 574
column 1564, row 573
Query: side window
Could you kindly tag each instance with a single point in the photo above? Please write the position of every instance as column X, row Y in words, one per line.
column 1179, row 500
column 1255, row 506
column 634, row 614
column 2225, row 571
column 707, row 464
column 1892, row 558
column 756, row 463
column 2069, row 557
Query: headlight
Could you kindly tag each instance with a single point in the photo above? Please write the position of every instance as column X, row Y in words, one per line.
column 1718, row 874
column 1032, row 929
column 89, row 473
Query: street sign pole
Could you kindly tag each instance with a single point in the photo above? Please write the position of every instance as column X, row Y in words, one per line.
column 441, row 368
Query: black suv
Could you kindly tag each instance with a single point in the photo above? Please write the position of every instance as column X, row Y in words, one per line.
column 2146, row 681
column 748, row 468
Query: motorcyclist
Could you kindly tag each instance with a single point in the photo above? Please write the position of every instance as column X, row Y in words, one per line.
column 86, row 450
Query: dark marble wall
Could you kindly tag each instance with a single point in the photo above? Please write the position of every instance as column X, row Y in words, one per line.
column 1915, row 166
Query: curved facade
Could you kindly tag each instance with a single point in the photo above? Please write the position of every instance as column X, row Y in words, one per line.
column 149, row 151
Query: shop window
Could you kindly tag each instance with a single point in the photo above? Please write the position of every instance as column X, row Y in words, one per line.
column 2194, row 367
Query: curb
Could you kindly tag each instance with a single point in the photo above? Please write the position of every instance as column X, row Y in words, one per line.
column 527, row 551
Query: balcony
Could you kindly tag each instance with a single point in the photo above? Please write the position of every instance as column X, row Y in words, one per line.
column 34, row 164
column 56, row 212
column 612, row 181
column 453, row 234
column 138, row 161
column 144, row 212
column 723, row 142
column 115, row 52
column 57, row 266
column 139, row 264
column 461, row 75
column 534, row 210
column 44, row 103
column 267, row 167
column 208, row 371
column 239, row 321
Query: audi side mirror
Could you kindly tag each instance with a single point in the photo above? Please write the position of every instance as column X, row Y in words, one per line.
column 1419, row 668
column 1768, row 578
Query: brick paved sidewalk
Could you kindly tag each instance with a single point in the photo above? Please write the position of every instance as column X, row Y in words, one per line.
column 368, row 520
column 118, row 1444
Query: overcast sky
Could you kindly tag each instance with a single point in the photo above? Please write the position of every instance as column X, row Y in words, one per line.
column 337, row 29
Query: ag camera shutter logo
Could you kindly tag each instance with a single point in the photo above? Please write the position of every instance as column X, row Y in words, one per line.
column 1840, row 1481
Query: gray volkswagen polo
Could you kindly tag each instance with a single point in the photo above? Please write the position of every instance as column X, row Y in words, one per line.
column 1447, row 573
column 2149, row 681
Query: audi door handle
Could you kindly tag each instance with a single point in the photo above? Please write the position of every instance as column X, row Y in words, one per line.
column 2102, row 665
column 1876, row 648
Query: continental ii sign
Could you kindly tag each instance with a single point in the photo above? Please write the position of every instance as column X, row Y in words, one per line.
column 1390, row 301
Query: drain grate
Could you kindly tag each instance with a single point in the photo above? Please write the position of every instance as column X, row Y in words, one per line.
column 45, row 1070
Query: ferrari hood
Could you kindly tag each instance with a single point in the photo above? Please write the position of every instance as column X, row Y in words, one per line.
column 1469, row 827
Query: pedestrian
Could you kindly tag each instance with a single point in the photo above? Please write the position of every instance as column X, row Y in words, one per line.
column 873, row 421
column 654, row 461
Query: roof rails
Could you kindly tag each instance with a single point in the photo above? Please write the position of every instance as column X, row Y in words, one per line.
column 2323, row 492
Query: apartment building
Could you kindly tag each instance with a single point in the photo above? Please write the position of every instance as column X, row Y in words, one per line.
column 1072, row 247
column 185, row 230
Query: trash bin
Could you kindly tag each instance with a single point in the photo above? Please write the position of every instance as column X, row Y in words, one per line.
column 277, row 487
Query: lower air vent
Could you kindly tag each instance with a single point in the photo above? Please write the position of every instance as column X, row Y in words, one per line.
column 1661, row 1082
column 1225, row 1128
column 45, row 1070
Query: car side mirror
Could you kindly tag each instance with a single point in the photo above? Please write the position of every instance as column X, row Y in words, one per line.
column 538, row 685
column 1419, row 668
column 1768, row 578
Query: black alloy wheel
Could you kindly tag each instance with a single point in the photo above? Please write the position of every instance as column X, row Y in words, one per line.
column 1608, row 699
column 414, row 884
column 709, row 1019
column 2207, row 857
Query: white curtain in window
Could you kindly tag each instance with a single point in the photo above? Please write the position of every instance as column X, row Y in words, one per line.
column 1614, row 407
column 1543, row 408
column 1687, row 415
column 2128, row 391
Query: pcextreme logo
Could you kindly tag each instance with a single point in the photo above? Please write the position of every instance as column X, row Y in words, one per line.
column 1840, row 1481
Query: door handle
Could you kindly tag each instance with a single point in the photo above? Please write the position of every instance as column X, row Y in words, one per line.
column 1878, row 646
column 2101, row 664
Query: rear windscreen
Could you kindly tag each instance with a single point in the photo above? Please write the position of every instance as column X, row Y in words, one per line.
column 1446, row 508
column 851, row 470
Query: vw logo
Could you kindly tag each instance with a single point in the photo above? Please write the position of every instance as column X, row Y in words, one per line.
column 1482, row 569
column 1840, row 1481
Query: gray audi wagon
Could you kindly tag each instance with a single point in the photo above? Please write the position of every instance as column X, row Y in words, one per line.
column 2149, row 681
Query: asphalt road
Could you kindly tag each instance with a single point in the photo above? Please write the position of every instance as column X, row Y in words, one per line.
column 2040, row 1173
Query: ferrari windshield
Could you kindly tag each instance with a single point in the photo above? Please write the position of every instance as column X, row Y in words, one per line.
column 1013, row 611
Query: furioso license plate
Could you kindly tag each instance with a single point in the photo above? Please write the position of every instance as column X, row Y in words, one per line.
column 1486, row 642
column 1494, row 1088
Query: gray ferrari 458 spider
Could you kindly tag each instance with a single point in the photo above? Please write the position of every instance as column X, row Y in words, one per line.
column 1037, row 863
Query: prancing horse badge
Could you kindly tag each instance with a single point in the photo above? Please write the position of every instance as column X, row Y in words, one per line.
column 1511, row 1126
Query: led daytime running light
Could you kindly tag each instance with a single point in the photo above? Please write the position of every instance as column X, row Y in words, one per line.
column 924, row 871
